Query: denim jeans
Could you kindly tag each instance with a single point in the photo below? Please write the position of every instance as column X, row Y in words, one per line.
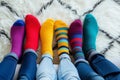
column 100, row 65
column 105, row 68
column 66, row 70
column 7, row 67
column 28, row 68
column 86, row 72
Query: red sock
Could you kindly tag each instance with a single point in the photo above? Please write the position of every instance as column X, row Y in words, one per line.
column 32, row 32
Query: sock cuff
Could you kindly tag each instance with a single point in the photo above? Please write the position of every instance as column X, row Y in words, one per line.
column 64, row 56
column 92, row 53
column 30, row 50
column 13, row 55
column 80, row 60
column 47, row 55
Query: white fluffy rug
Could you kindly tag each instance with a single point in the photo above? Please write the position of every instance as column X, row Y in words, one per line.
column 107, row 13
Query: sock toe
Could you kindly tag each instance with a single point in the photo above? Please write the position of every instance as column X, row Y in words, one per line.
column 89, row 16
column 29, row 16
column 50, row 20
column 59, row 24
column 19, row 23
column 75, row 27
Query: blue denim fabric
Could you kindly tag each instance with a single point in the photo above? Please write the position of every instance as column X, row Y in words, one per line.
column 66, row 69
column 7, row 67
column 29, row 66
column 105, row 68
column 46, row 70
column 86, row 72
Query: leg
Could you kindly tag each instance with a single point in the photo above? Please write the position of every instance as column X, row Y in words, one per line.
column 46, row 70
column 67, row 70
column 28, row 68
column 75, row 38
column 8, row 65
column 102, row 66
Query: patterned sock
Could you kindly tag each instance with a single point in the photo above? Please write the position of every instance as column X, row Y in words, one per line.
column 61, row 32
column 32, row 32
column 46, row 35
column 75, row 38
column 90, row 30
column 17, row 36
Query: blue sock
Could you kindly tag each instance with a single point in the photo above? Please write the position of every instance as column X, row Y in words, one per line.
column 90, row 30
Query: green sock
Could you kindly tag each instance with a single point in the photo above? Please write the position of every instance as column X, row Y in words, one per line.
column 90, row 30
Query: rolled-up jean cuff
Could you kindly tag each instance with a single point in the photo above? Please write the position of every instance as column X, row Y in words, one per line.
column 103, row 66
column 12, row 54
column 47, row 55
column 80, row 60
column 92, row 53
column 64, row 56
column 23, row 78
column 30, row 50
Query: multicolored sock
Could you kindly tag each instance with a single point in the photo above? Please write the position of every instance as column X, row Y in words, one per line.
column 90, row 30
column 75, row 39
column 32, row 32
column 46, row 35
column 17, row 36
column 61, row 32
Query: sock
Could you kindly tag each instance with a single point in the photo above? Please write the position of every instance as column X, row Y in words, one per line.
column 90, row 30
column 75, row 38
column 61, row 32
column 17, row 36
column 32, row 32
column 46, row 35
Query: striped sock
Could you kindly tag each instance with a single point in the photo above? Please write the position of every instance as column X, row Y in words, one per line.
column 61, row 32
column 75, row 38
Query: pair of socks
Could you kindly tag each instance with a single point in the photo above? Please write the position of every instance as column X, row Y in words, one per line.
column 32, row 27
column 47, row 30
column 89, row 32
column 75, row 33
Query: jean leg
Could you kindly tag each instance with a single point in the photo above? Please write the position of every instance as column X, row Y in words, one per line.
column 7, row 67
column 103, row 66
column 67, row 70
column 29, row 66
column 46, row 70
column 86, row 72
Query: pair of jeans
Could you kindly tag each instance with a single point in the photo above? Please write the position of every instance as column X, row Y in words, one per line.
column 28, row 67
column 98, row 69
column 105, row 68
column 66, row 69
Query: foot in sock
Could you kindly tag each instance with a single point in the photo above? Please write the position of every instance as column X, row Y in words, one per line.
column 75, row 39
column 61, row 32
column 17, row 36
column 46, row 35
column 32, row 32
column 90, row 30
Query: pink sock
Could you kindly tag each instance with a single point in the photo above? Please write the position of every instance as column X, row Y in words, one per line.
column 17, row 36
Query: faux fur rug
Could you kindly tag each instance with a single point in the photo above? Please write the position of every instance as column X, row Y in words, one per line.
column 107, row 13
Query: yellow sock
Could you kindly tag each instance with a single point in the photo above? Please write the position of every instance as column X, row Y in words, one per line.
column 61, row 32
column 46, row 35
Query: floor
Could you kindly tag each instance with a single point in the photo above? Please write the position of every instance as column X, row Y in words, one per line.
column 107, row 13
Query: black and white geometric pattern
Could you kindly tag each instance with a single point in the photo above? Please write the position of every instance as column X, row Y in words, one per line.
column 107, row 13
